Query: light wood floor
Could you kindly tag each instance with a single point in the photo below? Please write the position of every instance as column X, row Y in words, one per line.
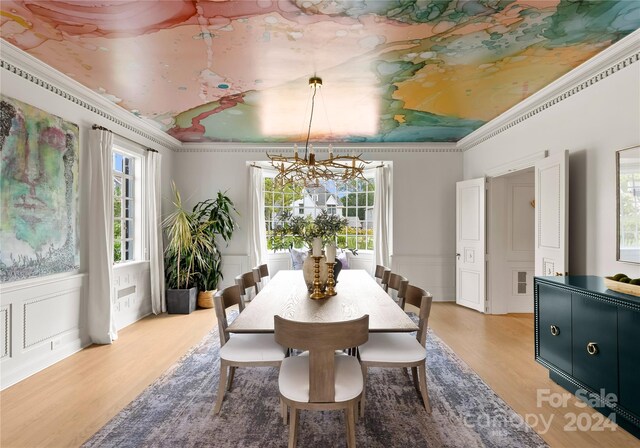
column 68, row 402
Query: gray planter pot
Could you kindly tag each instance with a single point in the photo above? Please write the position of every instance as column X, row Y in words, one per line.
column 181, row 301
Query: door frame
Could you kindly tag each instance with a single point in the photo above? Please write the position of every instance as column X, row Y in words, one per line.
column 495, row 305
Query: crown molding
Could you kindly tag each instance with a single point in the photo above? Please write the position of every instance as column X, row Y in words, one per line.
column 618, row 56
column 37, row 72
column 287, row 148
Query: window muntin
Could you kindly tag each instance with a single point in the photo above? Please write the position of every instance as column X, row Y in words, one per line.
column 351, row 199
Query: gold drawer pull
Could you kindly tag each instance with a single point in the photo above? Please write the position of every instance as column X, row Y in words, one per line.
column 592, row 348
column 555, row 330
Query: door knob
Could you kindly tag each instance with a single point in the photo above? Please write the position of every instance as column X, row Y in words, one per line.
column 555, row 330
column 592, row 348
column 458, row 256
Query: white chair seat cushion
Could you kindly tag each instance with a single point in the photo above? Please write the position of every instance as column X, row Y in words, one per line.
column 252, row 348
column 392, row 347
column 294, row 378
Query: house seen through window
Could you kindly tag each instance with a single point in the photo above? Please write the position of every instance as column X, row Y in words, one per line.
column 352, row 199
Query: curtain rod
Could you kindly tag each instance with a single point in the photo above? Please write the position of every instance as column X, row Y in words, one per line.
column 102, row 128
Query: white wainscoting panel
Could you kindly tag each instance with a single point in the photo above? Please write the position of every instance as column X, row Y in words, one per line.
column 5, row 336
column 41, row 323
column 278, row 261
column 232, row 266
column 131, row 293
column 435, row 274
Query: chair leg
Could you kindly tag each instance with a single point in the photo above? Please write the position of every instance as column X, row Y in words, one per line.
column 284, row 411
column 364, row 388
column 350, row 417
column 232, row 371
column 422, row 375
column 414, row 373
column 221, row 387
column 293, row 428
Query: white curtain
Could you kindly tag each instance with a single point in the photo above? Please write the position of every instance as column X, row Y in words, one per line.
column 257, row 231
column 156, row 254
column 100, row 319
column 382, row 230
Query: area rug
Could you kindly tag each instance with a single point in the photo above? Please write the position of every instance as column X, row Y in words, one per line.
column 177, row 410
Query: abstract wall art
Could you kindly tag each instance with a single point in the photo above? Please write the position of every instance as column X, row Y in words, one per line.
column 38, row 192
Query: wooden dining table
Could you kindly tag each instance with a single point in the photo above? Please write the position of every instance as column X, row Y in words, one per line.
column 358, row 294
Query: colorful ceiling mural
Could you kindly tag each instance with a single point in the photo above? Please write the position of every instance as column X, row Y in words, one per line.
column 393, row 71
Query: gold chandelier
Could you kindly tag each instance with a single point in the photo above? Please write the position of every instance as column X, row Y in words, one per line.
column 310, row 170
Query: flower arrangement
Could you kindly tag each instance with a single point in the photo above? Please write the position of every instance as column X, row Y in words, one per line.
column 298, row 230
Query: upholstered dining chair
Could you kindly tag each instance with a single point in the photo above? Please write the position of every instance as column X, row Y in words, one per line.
column 248, row 284
column 321, row 379
column 401, row 350
column 260, row 273
column 396, row 287
column 241, row 350
column 381, row 275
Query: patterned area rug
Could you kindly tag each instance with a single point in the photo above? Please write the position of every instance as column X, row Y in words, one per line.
column 177, row 410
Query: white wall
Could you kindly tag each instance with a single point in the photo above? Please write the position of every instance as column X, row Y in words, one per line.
column 43, row 320
column 423, row 208
column 592, row 124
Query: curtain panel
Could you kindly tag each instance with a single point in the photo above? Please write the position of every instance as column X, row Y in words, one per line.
column 156, row 253
column 100, row 320
column 257, row 230
column 382, row 226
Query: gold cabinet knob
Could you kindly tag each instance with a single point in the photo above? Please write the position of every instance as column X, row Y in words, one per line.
column 592, row 348
column 555, row 330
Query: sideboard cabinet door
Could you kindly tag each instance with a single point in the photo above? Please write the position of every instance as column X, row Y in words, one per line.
column 595, row 343
column 629, row 356
column 555, row 326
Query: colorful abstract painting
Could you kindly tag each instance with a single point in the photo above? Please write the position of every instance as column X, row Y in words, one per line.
column 393, row 70
column 38, row 192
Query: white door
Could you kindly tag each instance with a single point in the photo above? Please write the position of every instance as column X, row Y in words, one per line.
column 470, row 243
column 552, row 205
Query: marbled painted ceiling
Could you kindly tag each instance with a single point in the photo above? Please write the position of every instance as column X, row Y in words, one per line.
column 393, row 71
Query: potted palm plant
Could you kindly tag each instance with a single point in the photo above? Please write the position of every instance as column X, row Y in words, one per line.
column 192, row 257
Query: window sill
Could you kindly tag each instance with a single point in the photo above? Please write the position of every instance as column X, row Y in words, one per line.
column 129, row 264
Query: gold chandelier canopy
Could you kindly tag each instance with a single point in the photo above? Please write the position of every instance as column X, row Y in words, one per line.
column 310, row 170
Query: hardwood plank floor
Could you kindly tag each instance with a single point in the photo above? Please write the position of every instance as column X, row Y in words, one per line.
column 65, row 404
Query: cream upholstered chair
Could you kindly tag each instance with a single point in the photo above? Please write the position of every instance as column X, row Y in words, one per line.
column 321, row 379
column 401, row 349
column 381, row 274
column 241, row 350
column 396, row 287
column 248, row 284
column 260, row 273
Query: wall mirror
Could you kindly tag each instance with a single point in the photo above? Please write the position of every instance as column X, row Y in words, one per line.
column 628, row 187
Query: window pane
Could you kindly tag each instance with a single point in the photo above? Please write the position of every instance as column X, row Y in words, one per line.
column 117, row 162
column 128, row 250
column 117, row 207
column 128, row 188
column 128, row 165
column 128, row 208
column 128, row 228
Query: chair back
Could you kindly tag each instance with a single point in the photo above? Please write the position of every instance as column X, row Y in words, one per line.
column 259, row 273
column 398, row 285
column 382, row 274
column 248, row 281
column 321, row 339
column 422, row 300
column 223, row 299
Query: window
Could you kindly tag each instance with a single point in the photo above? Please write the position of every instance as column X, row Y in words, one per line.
column 126, row 206
column 354, row 200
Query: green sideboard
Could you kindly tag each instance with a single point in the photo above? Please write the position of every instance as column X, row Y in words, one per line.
column 588, row 337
